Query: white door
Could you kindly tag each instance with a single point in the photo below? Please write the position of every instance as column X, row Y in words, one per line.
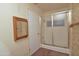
column 60, row 29
column 48, row 30
column 34, row 31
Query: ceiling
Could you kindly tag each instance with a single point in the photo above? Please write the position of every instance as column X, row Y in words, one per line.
column 51, row 6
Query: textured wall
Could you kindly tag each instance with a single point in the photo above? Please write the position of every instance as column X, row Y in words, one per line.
column 75, row 40
column 75, row 30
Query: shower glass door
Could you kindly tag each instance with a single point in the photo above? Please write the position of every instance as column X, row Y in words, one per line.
column 60, row 29
column 55, row 29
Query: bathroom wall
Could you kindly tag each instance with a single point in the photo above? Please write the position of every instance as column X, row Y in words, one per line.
column 75, row 30
column 7, row 11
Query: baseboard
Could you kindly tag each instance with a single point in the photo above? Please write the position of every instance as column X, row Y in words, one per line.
column 32, row 52
column 63, row 50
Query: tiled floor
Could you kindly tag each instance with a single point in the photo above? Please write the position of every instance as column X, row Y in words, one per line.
column 46, row 52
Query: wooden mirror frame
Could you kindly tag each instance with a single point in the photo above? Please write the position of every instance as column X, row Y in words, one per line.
column 15, row 21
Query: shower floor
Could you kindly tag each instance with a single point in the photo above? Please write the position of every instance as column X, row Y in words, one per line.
column 46, row 52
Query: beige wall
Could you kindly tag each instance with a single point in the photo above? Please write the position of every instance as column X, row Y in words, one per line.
column 7, row 11
column 75, row 30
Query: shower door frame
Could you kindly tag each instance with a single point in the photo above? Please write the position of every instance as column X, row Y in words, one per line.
column 69, row 23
